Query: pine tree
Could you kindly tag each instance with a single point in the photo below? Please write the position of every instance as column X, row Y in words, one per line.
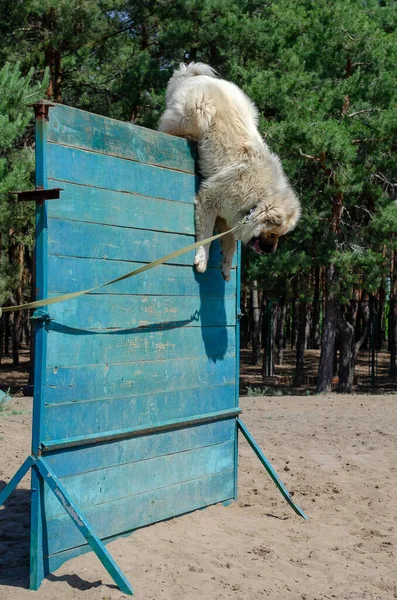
column 16, row 173
column 323, row 78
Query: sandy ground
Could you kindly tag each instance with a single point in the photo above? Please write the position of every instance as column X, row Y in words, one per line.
column 337, row 454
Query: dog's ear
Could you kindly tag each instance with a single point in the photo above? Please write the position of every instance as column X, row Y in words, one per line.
column 275, row 215
column 291, row 218
column 285, row 220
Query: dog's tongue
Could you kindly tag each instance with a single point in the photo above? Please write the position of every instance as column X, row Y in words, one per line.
column 257, row 247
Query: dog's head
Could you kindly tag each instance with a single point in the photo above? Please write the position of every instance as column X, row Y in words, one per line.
column 265, row 223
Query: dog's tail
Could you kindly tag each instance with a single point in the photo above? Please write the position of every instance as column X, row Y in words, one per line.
column 184, row 72
column 195, row 69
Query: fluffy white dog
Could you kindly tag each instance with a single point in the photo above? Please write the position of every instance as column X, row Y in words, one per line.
column 241, row 177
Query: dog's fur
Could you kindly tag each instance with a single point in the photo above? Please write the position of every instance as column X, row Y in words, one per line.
column 241, row 177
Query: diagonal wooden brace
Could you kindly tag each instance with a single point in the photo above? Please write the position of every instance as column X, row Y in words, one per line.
column 270, row 469
column 84, row 527
column 12, row 484
column 81, row 523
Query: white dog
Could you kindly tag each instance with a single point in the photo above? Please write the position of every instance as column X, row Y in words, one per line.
column 242, row 179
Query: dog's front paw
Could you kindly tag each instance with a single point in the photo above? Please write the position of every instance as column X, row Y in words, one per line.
column 200, row 260
column 200, row 267
column 226, row 266
column 226, row 274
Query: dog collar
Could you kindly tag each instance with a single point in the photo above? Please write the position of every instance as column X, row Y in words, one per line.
column 248, row 216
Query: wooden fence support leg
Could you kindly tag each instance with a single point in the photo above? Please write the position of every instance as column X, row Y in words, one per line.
column 38, row 537
column 270, row 469
column 86, row 530
column 12, row 484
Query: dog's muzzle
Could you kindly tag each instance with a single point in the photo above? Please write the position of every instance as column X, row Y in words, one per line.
column 262, row 245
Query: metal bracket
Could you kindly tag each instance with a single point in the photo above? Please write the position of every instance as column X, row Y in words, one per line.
column 41, row 108
column 239, row 314
column 41, row 315
column 39, row 195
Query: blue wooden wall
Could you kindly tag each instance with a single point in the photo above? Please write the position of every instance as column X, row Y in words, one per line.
column 141, row 355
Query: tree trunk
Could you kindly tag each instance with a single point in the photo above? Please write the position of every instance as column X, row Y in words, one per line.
column 263, row 320
column 363, row 316
column 346, row 335
column 336, row 348
column 380, row 334
column 244, row 321
column 17, row 329
column 308, row 325
column 268, row 337
column 325, row 367
column 1, row 338
column 275, row 321
column 32, row 270
column 7, row 331
column 255, row 324
column 349, row 348
column 16, row 337
column 295, row 323
column 316, row 311
column 281, row 332
column 52, row 58
column 25, row 328
column 393, row 314
column 393, row 337
column 288, row 324
column 300, row 344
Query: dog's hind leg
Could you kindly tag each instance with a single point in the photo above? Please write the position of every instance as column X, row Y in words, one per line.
column 228, row 243
column 189, row 114
column 205, row 217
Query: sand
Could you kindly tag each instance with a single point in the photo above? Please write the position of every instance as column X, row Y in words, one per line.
column 337, row 454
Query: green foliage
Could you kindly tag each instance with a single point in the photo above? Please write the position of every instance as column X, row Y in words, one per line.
column 321, row 73
column 265, row 391
column 323, row 82
column 16, row 168
column 384, row 225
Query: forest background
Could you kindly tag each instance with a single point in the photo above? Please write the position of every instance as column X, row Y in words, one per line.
column 323, row 76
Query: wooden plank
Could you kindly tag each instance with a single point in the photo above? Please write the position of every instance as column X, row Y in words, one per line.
column 88, row 382
column 71, row 346
column 38, row 541
column 150, row 507
column 90, row 240
column 83, row 418
column 37, row 515
column 41, row 291
column 110, row 173
column 237, row 352
column 85, row 130
column 67, row 274
column 110, row 311
column 109, row 207
column 54, row 561
column 140, row 430
column 127, row 200
column 130, row 479
column 74, row 461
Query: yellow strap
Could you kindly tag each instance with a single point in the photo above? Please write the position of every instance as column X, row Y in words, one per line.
column 155, row 263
